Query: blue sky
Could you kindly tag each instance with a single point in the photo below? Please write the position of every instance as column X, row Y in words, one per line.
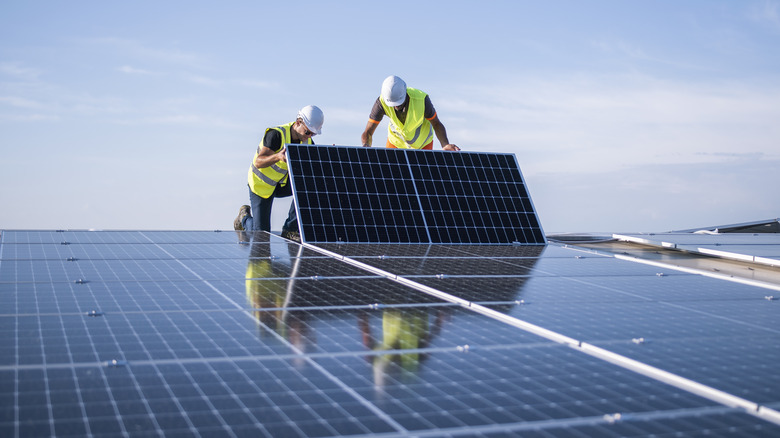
column 624, row 116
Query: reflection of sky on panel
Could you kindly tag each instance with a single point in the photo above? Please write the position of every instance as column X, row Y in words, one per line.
column 359, row 250
column 501, row 387
column 286, row 340
column 736, row 363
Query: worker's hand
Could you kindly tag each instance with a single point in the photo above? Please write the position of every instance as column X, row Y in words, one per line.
column 281, row 155
column 451, row 147
column 367, row 139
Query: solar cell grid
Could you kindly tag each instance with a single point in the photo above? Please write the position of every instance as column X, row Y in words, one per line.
column 498, row 387
column 714, row 363
column 698, row 291
column 453, row 266
column 215, row 351
column 333, row 292
column 593, row 266
column 410, row 196
column 360, row 251
column 475, row 194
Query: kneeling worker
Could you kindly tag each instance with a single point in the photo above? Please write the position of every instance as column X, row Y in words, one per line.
column 268, row 178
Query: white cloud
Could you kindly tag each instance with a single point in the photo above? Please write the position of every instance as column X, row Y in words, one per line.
column 258, row 84
column 21, row 102
column 18, row 70
column 767, row 12
column 657, row 197
column 633, row 52
column 134, row 71
column 620, row 47
column 174, row 118
column 29, row 117
column 203, row 80
column 137, row 50
column 27, row 109
column 591, row 124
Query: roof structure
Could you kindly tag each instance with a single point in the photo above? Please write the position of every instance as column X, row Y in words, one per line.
column 763, row 226
column 203, row 333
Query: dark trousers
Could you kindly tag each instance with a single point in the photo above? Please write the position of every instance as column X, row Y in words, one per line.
column 260, row 220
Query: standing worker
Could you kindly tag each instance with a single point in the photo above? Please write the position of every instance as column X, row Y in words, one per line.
column 268, row 178
column 413, row 119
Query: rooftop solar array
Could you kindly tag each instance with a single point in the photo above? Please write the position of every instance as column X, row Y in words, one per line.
column 154, row 333
column 379, row 195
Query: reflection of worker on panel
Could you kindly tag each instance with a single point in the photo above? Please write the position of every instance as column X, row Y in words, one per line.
column 404, row 329
column 271, row 299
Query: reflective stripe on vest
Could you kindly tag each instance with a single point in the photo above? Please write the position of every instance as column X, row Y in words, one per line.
column 267, row 179
column 416, row 131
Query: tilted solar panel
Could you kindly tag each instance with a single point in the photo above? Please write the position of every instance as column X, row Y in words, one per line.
column 377, row 195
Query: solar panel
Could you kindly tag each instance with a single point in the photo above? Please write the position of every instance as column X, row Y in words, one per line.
column 754, row 247
column 137, row 333
column 378, row 195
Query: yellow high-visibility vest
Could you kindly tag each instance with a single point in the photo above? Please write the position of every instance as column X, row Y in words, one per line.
column 263, row 181
column 416, row 131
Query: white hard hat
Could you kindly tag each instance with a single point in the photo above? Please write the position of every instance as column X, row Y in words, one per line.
column 393, row 91
column 312, row 117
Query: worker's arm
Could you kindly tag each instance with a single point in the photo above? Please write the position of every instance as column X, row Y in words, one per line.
column 271, row 150
column 268, row 157
column 441, row 134
column 367, row 135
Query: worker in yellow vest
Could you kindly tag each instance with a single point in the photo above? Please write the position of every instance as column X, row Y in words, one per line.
column 413, row 119
column 268, row 177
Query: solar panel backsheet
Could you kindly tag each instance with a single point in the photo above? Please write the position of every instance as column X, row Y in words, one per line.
column 151, row 333
column 378, row 195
